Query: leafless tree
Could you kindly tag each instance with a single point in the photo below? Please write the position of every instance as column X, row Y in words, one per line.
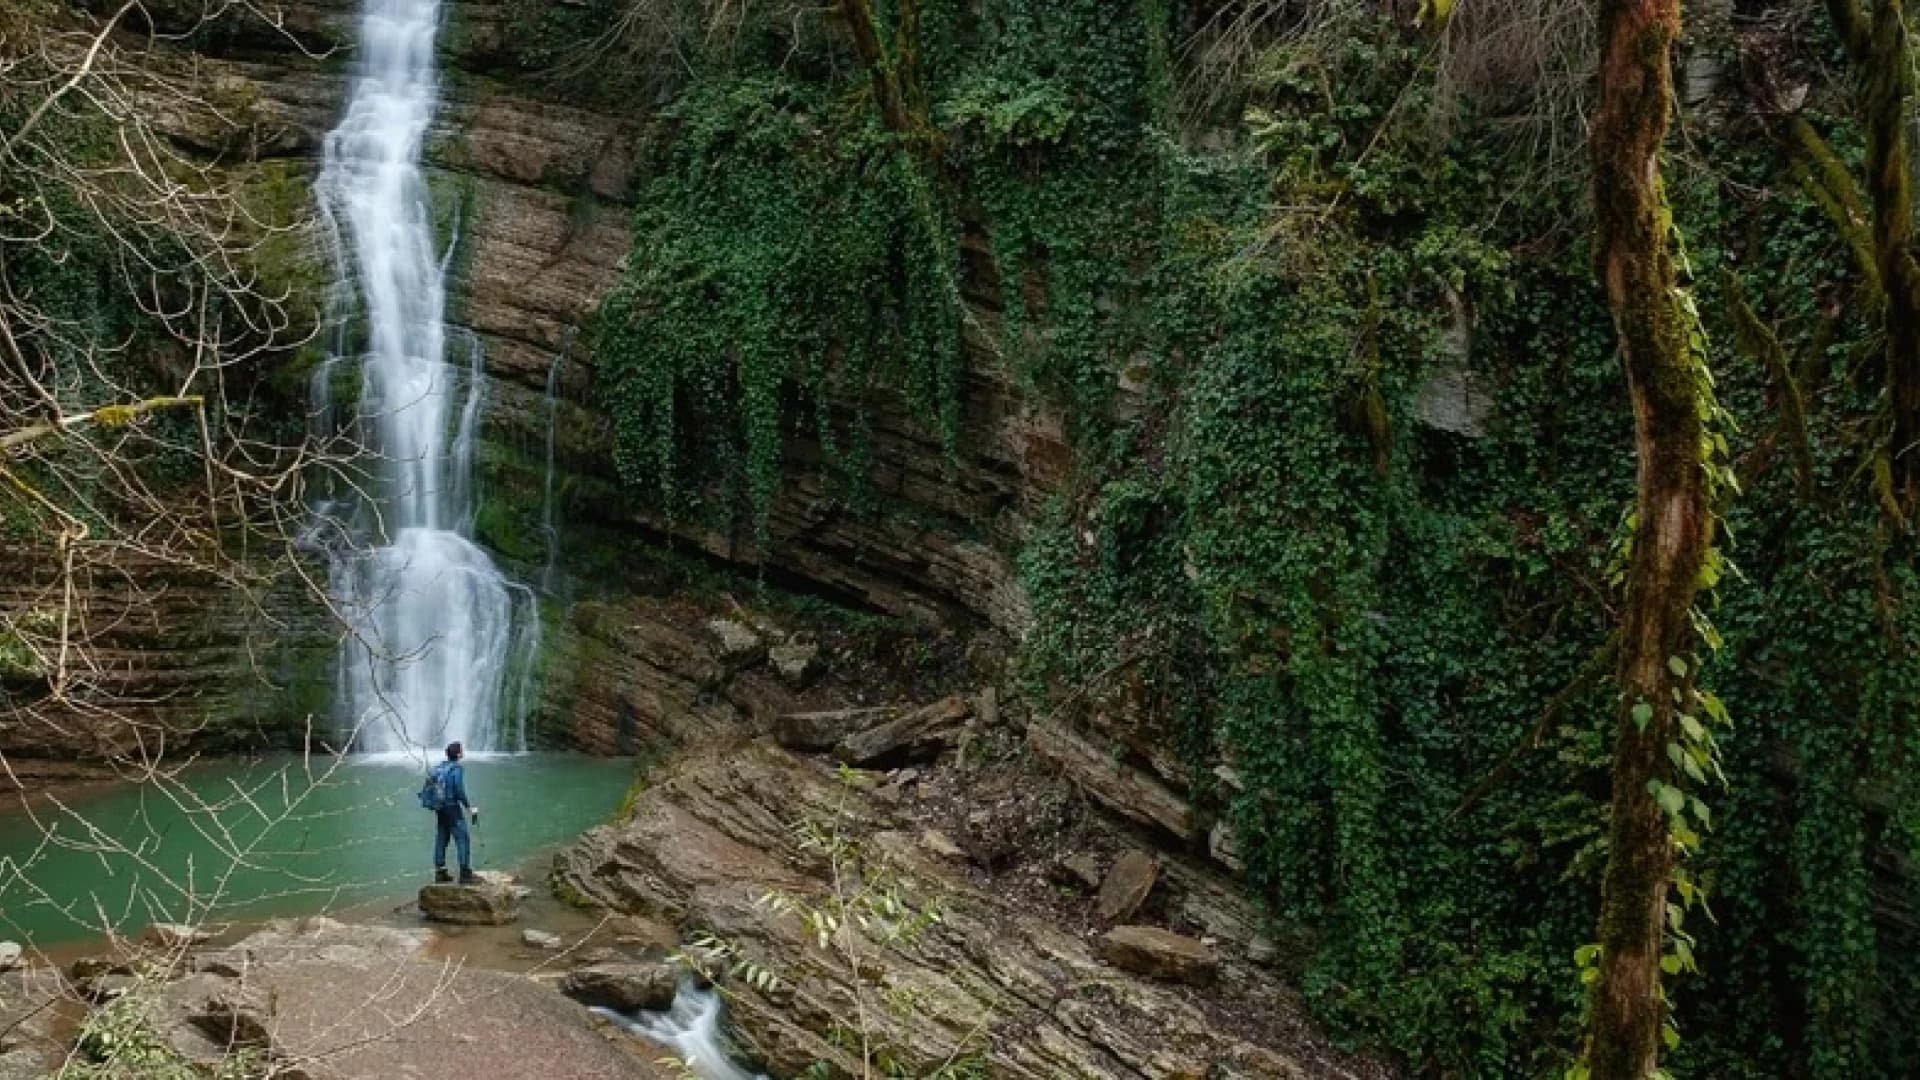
column 146, row 286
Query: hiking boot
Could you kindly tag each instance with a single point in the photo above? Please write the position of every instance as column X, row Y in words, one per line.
column 468, row 877
column 440, row 876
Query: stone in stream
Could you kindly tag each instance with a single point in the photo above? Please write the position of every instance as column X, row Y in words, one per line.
column 539, row 939
column 624, row 985
column 1127, row 886
column 9, row 955
column 495, row 901
column 1160, row 954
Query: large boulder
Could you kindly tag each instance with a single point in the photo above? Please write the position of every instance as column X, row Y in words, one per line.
column 34, row 1028
column 490, row 903
column 625, row 985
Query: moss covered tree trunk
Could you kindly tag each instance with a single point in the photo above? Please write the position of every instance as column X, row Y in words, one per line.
column 891, row 89
column 1672, row 522
column 1878, row 46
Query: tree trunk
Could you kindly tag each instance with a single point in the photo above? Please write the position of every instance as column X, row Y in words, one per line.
column 888, row 94
column 1889, row 91
column 1672, row 521
column 1881, row 53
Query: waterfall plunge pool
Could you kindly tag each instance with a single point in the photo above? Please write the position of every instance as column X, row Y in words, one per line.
column 243, row 840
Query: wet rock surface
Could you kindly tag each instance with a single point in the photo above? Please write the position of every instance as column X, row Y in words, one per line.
column 494, row 901
column 992, row 980
column 625, row 985
column 345, row 1002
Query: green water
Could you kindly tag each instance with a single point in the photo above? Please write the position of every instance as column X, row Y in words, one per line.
column 241, row 840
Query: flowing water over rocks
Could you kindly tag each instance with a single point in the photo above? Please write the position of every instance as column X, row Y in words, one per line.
column 439, row 627
column 692, row 1027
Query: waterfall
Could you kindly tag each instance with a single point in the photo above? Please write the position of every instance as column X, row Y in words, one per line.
column 435, row 620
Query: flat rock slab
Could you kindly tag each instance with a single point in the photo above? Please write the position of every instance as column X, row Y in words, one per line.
column 1160, row 954
column 353, row 1002
column 495, row 901
column 32, row 1030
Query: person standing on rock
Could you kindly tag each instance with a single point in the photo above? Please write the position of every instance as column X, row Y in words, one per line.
column 446, row 794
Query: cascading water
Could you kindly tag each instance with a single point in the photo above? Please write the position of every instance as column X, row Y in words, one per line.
column 691, row 1028
column 435, row 619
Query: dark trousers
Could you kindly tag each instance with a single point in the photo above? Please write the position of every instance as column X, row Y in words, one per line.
column 452, row 822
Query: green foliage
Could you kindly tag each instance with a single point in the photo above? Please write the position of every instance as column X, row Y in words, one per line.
column 1278, row 555
column 790, row 253
column 123, row 1039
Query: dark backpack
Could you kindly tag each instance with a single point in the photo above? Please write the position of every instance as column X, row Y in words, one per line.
column 436, row 794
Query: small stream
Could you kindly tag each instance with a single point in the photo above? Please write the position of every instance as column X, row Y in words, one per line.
column 693, row 1029
column 240, row 840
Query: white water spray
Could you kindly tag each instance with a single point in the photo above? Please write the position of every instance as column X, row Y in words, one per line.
column 691, row 1028
column 436, row 619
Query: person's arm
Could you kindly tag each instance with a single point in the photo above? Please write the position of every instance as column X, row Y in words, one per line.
column 457, row 780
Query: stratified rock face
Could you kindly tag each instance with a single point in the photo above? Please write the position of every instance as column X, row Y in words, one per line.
column 173, row 660
column 989, row 981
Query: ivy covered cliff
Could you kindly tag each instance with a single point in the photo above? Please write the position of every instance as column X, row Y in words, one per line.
column 1337, row 548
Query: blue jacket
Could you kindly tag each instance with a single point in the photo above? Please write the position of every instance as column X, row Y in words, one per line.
column 454, row 777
